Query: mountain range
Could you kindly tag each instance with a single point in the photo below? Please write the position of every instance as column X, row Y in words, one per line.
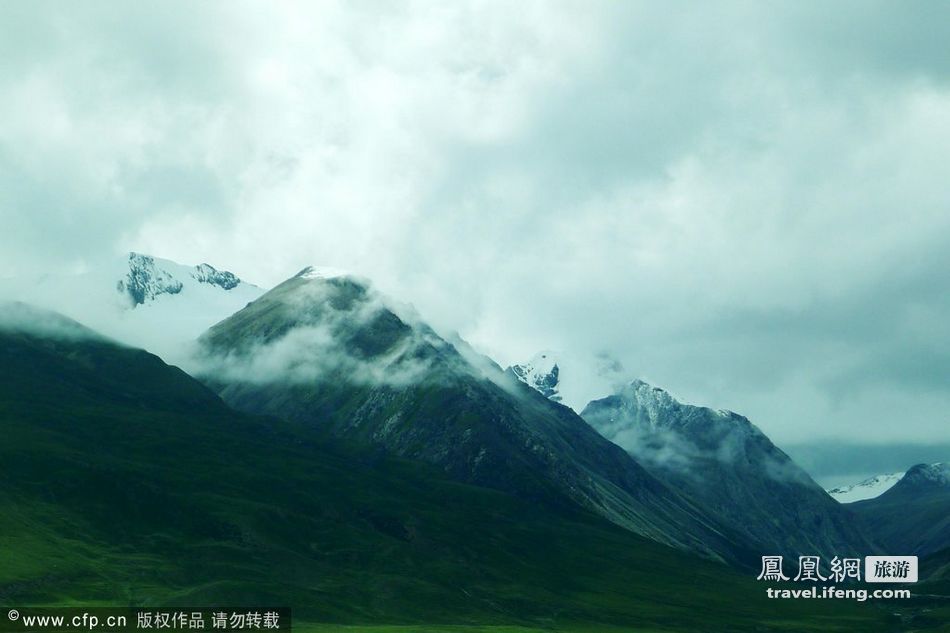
column 125, row 481
column 340, row 432
column 717, row 458
column 728, row 466
column 123, row 478
column 329, row 351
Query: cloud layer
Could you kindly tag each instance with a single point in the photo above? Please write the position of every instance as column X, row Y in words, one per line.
column 742, row 202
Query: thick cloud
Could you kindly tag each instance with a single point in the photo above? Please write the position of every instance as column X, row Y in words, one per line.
column 744, row 203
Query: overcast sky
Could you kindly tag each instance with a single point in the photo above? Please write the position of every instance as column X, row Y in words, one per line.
column 746, row 203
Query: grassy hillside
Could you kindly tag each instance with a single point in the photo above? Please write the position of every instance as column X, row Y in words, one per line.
column 123, row 481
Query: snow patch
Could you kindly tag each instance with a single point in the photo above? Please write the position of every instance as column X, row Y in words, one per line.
column 542, row 374
column 867, row 489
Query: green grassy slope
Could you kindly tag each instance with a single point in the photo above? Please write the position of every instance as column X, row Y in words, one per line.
column 123, row 481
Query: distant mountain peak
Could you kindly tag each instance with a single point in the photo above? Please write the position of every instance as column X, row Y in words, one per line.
column 146, row 281
column 657, row 407
column 571, row 378
column 542, row 374
column 139, row 299
column 149, row 278
column 928, row 476
column 725, row 463
column 208, row 274
column 866, row 489
column 653, row 399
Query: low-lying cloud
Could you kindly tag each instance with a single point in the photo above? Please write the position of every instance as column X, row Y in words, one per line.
column 21, row 317
column 744, row 202
column 308, row 355
column 328, row 330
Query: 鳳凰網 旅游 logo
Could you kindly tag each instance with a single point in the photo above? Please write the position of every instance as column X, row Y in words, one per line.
column 890, row 569
column 872, row 569
column 823, row 579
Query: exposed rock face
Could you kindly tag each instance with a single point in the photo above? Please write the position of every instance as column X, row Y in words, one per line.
column 542, row 374
column 149, row 278
column 325, row 349
column 146, row 281
column 208, row 274
column 728, row 466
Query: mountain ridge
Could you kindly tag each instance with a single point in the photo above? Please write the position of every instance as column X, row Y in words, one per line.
column 124, row 480
column 913, row 516
column 344, row 353
column 728, row 466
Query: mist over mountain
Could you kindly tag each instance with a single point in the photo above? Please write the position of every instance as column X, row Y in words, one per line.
column 717, row 458
column 123, row 477
column 139, row 299
column 329, row 351
column 727, row 465
column 741, row 205
column 23, row 318
column 113, row 458
column 571, row 378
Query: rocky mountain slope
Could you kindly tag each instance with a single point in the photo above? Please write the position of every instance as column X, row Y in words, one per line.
column 124, row 481
column 725, row 464
column 327, row 350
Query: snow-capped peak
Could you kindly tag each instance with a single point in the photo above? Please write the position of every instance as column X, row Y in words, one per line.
column 149, row 278
column 652, row 400
column 208, row 274
column 139, row 299
column 541, row 373
column 868, row 489
column 145, row 280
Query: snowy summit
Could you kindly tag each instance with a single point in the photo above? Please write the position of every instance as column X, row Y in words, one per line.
column 868, row 489
column 542, row 373
column 140, row 300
